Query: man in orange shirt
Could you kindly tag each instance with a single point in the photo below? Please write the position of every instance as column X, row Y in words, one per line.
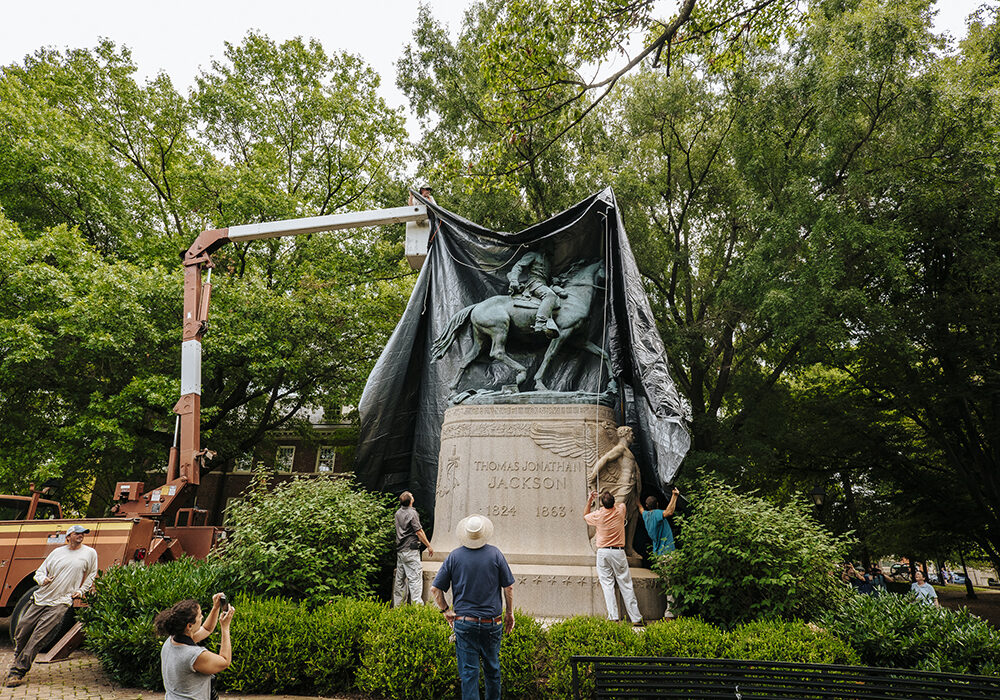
column 612, row 564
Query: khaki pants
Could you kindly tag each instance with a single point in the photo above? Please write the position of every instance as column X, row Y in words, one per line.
column 34, row 628
column 409, row 578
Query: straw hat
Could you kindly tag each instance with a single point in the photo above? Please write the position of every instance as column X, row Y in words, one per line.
column 474, row 531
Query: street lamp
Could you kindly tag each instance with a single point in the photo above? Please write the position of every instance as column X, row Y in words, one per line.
column 818, row 496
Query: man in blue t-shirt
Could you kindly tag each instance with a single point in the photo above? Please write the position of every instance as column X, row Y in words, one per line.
column 477, row 573
column 657, row 525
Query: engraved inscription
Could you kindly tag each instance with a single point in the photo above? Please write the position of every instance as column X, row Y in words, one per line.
column 501, row 511
column 528, row 482
column 550, row 511
column 527, row 466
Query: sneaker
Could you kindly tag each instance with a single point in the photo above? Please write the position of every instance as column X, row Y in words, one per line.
column 640, row 623
column 14, row 680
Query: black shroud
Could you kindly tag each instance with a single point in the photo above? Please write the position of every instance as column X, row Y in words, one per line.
column 403, row 404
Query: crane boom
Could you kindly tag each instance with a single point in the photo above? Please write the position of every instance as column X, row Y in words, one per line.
column 186, row 455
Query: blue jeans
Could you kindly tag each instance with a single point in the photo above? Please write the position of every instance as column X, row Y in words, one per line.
column 475, row 641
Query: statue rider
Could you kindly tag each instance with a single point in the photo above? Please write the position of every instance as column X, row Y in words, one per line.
column 535, row 266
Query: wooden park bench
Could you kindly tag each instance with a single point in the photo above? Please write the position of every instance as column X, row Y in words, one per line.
column 663, row 677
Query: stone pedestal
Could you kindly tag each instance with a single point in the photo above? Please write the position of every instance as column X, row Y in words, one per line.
column 525, row 467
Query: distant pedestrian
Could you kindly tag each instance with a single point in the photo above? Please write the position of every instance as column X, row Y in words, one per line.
column 188, row 668
column 924, row 591
column 478, row 575
column 612, row 564
column 878, row 579
column 409, row 536
column 66, row 574
column 657, row 525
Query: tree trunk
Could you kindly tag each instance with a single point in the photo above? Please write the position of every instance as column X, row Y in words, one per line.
column 969, row 592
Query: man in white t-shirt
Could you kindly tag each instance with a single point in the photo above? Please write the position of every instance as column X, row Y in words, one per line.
column 67, row 573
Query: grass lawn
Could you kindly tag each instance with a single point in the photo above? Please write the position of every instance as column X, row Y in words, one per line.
column 986, row 604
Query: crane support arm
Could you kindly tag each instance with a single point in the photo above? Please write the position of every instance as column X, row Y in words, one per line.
column 186, row 455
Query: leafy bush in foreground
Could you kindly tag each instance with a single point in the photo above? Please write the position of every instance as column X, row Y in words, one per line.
column 798, row 642
column 309, row 539
column 125, row 599
column 284, row 647
column 586, row 636
column 408, row 655
column 522, row 658
column 901, row 632
column 742, row 558
column 684, row 637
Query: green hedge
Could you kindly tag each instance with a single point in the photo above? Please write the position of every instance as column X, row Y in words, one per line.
column 586, row 636
column 798, row 642
column 285, row 647
column 122, row 605
column 901, row 632
column 685, row 637
column 282, row 646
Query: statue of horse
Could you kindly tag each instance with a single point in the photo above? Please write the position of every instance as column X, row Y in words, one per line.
column 495, row 318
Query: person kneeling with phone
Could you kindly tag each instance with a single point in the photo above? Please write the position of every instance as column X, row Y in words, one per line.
column 189, row 669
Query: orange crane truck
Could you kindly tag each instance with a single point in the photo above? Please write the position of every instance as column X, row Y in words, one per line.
column 151, row 526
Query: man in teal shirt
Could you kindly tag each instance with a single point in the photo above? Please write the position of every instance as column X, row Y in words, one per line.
column 657, row 525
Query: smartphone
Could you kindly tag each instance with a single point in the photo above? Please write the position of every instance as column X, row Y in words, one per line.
column 223, row 603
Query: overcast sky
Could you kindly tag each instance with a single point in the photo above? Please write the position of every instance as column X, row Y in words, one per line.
column 183, row 36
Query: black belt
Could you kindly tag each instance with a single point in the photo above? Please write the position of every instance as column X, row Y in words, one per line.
column 482, row 620
column 611, row 548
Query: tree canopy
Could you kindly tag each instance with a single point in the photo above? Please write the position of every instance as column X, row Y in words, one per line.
column 89, row 364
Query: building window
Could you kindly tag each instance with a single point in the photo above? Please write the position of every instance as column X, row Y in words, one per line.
column 284, row 460
column 244, row 463
column 326, row 459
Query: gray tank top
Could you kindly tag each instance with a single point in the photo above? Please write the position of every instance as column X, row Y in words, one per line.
column 180, row 679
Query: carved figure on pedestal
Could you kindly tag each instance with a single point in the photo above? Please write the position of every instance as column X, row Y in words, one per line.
column 617, row 472
column 497, row 317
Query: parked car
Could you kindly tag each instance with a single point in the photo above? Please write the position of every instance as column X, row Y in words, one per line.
column 958, row 578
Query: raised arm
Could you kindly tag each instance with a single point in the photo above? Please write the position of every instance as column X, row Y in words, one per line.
column 672, row 506
column 208, row 624
column 209, row 663
column 612, row 454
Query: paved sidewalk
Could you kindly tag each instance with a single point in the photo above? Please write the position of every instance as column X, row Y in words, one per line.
column 80, row 678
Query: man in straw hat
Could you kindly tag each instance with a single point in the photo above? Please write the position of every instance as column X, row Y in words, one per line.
column 478, row 572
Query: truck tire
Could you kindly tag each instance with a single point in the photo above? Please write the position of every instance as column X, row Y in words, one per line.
column 22, row 603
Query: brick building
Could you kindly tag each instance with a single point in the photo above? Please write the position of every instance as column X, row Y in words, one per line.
column 282, row 455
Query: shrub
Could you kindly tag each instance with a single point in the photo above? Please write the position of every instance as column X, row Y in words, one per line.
column 309, row 539
column 119, row 618
column 777, row 640
column 408, row 656
column 522, row 658
column 685, row 637
column 742, row 558
column 340, row 628
column 901, row 632
column 586, row 636
column 273, row 641
column 280, row 646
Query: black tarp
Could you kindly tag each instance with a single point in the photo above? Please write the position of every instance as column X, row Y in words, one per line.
column 403, row 404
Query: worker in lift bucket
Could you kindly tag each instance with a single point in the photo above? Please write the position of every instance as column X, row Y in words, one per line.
column 67, row 573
